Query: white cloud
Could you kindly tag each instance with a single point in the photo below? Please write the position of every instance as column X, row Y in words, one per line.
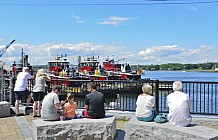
column 175, row 54
column 1, row 39
column 115, row 20
column 77, row 19
column 160, row 51
column 193, row 8
column 43, row 53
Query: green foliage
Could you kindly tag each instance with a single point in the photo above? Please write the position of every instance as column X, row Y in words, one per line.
column 178, row 66
column 37, row 67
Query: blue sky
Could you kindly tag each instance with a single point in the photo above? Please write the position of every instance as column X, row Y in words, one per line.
column 154, row 32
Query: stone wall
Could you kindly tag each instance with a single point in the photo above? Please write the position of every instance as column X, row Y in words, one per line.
column 139, row 130
column 5, row 109
column 76, row 129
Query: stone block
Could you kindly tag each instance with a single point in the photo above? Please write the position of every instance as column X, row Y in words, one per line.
column 5, row 109
column 22, row 110
column 139, row 130
column 75, row 129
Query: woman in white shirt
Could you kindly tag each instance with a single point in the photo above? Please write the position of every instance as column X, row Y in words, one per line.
column 145, row 104
column 39, row 91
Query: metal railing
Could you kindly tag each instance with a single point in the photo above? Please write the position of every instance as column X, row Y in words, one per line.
column 122, row 95
column 203, row 96
column 4, row 85
column 1, row 84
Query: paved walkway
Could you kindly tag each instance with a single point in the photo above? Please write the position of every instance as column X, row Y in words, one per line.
column 16, row 128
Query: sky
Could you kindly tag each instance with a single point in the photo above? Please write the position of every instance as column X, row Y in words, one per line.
column 140, row 32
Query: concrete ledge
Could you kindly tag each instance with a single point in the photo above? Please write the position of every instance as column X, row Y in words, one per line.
column 22, row 109
column 78, row 129
column 209, row 122
column 5, row 109
column 138, row 130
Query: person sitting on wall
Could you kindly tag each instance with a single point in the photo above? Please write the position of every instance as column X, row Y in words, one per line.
column 70, row 107
column 51, row 104
column 94, row 103
column 145, row 104
column 179, row 106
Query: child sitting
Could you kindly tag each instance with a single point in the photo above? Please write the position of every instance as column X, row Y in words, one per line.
column 70, row 107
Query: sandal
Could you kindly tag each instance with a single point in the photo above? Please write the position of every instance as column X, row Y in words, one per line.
column 34, row 116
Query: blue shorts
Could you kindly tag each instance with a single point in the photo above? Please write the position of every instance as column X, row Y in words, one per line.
column 19, row 95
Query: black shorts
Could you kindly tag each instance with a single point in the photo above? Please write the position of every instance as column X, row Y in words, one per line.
column 20, row 95
column 38, row 96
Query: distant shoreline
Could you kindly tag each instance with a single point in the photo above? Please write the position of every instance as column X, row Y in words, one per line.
column 187, row 70
column 201, row 70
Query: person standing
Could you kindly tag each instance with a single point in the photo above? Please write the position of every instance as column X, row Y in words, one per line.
column 179, row 106
column 94, row 103
column 51, row 104
column 39, row 91
column 21, row 90
column 145, row 104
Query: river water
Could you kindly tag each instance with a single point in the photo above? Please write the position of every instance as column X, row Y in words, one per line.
column 204, row 97
column 181, row 76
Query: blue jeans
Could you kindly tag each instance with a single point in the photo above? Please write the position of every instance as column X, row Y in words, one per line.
column 148, row 119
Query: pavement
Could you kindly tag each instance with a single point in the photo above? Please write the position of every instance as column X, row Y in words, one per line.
column 16, row 128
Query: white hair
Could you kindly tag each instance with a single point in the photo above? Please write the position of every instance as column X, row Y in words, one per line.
column 40, row 72
column 177, row 85
column 25, row 69
column 146, row 88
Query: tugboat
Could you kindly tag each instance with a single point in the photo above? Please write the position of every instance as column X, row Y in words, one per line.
column 61, row 72
column 23, row 62
column 124, row 71
column 90, row 67
column 109, row 71
column 59, row 65
column 75, row 79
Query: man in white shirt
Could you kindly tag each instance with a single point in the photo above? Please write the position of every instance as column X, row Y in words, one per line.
column 179, row 106
column 20, row 89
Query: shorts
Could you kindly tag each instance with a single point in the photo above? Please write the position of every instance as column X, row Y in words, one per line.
column 86, row 115
column 70, row 118
column 19, row 95
column 38, row 96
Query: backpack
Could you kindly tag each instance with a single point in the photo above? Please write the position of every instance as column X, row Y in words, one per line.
column 161, row 118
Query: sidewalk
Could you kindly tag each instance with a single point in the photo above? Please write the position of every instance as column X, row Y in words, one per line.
column 14, row 128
